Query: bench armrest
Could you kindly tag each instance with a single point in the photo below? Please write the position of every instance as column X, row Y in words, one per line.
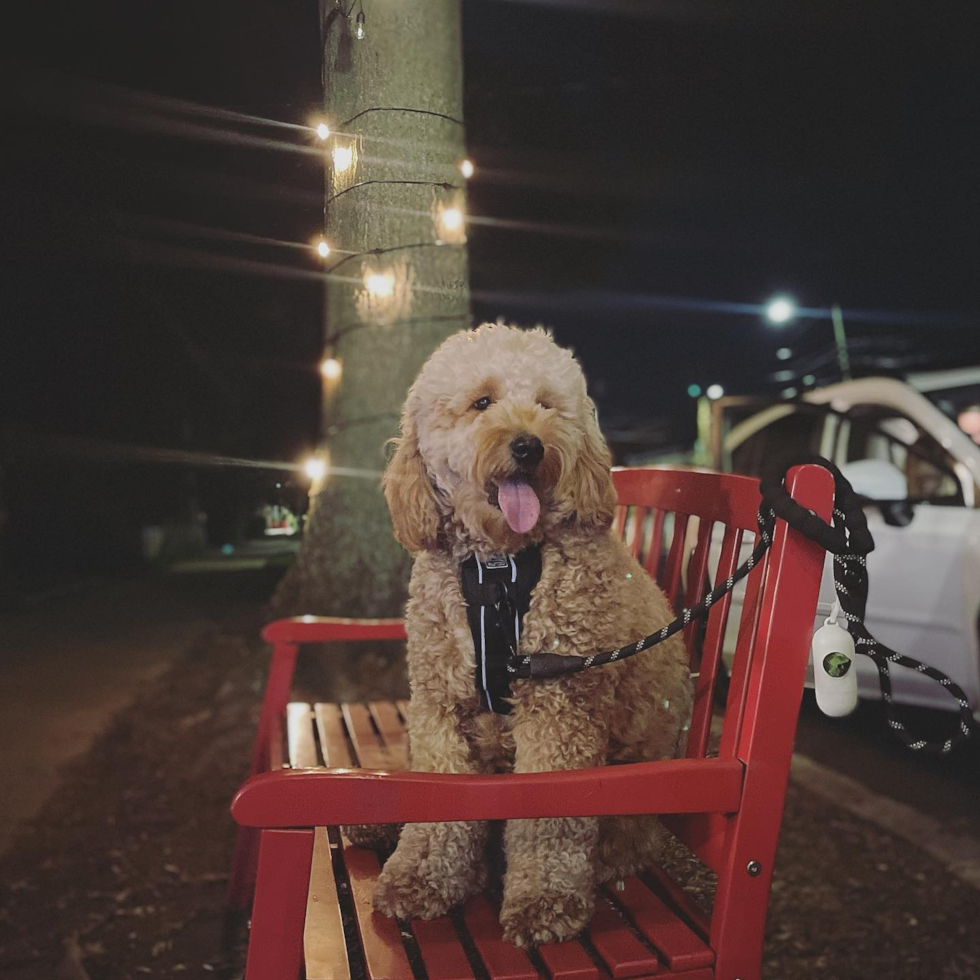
column 327, row 797
column 327, row 629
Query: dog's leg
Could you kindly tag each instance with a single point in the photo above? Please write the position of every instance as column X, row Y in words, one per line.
column 549, row 888
column 436, row 865
column 628, row 844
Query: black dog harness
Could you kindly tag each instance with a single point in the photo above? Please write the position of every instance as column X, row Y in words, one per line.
column 497, row 593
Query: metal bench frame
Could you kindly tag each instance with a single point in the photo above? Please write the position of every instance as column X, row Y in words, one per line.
column 727, row 808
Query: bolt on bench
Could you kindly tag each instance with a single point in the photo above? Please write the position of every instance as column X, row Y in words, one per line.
column 318, row 767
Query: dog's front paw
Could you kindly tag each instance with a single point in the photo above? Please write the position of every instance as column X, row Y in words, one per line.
column 545, row 918
column 435, row 867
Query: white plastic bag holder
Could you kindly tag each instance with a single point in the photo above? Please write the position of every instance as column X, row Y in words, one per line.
column 834, row 673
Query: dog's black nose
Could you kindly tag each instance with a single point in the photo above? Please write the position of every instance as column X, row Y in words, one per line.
column 527, row 450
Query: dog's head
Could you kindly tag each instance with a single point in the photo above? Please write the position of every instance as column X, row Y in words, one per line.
column 499, row 439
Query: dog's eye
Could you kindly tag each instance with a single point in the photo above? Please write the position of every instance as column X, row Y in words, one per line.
column 482, row 404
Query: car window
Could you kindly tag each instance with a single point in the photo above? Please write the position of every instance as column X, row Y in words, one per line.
column 792, row 435
column 876, row 433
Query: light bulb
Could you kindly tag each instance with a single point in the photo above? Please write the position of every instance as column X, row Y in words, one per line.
column 452, row 219
column 343, row 157
column 330, row 368
column 780, row 309
column 323, row 131
column 315, row 468
column 379, row 284
column 714, row 391
column 466, row 168
column 359, row 26
column 322, row 249
column 784, row 354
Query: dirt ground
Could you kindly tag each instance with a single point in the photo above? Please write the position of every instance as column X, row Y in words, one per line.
column 122, row 874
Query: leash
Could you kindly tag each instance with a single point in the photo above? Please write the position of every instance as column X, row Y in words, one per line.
column 849, row 541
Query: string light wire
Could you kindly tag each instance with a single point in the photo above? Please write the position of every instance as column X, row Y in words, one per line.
column 365, row 183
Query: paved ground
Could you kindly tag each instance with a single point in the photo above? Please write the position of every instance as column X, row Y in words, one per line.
column 69, row 666
column 72, row 659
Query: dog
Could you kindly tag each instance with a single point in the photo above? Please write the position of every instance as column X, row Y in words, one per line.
column 500, row 451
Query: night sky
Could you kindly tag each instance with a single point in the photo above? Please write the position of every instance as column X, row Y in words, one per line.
column 694, row 152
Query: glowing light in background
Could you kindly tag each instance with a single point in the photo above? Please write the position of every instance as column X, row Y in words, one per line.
column 315, row 468
column 452, row 219
column 466, row 168
column 343, row 157
column 323, row 131
column 694, row 390
column 780, row 309
column 379, row 284
column 714, row 391
column 783, row 354
column 809, row 379
column 331, row 368
column 322, row 249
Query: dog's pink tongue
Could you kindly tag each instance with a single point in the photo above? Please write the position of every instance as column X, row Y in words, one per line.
column 520, row 505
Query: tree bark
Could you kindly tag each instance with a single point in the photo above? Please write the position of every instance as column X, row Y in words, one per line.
column 410, row 58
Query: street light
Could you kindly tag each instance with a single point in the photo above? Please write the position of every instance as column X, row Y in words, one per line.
column 780, row 309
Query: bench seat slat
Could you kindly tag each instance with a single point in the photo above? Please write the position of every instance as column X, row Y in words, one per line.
column 623, row 954
column 333, row 742
column 367, row 745
column 324, row 946
column 299, row 733
column 680, row 946
column 381, row 941
column 392, row 729
column 502, row 960
column 442, row 952
column 568, row 961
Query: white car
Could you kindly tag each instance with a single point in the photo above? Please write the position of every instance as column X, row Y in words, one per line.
column 921, row 475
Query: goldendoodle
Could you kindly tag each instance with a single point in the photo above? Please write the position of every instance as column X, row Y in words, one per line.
column 501, row 454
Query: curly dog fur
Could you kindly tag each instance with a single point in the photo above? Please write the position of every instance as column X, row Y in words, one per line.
column 441, row 490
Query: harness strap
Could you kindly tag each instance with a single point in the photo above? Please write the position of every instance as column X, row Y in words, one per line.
column 497, row 592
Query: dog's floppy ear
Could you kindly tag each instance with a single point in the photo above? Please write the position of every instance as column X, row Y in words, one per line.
column 590, row 486
column 409, row 493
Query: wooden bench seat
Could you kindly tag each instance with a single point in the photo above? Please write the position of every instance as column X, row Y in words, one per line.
column 636, row 932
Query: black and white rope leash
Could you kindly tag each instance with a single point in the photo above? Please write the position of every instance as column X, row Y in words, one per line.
column 849, row 541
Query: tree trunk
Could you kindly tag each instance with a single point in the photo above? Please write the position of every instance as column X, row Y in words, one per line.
column 380, row 330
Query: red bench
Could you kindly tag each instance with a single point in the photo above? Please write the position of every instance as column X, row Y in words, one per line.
column 315, row 768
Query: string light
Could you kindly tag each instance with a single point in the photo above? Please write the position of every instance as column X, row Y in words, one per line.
column 343, row 157
column 714, row 392
column 380, row 285
column 359, row 26
column 322, row 249
column 452, row 219
column 315, row 468
column 331, row 368
column 466, row 169
column 323, row 131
